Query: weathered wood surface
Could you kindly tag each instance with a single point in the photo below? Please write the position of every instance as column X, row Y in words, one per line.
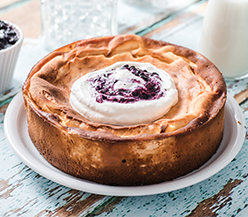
column 23, row 192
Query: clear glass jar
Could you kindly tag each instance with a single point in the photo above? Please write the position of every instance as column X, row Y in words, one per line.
column 66, row 21
column 224, row 39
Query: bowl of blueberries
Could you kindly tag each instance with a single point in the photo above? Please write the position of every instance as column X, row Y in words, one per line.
column 11, row 38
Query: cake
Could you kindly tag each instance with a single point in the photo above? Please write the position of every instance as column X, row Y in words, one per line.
column 160, row 147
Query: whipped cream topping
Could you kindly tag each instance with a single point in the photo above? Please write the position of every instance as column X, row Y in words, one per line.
column 125, row 93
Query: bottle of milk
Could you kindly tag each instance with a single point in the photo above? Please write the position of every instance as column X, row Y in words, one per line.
column 224, row 39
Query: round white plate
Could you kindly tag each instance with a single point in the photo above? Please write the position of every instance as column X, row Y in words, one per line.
column 15, row 126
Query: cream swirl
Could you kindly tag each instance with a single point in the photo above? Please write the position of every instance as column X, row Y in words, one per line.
column 125, row 93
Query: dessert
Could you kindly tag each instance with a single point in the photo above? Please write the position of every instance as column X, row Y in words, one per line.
column 109, row 70
column 8, row 35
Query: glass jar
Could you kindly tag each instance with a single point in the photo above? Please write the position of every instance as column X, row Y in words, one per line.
column 66, row 21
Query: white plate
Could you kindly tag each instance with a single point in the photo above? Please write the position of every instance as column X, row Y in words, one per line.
column 15, row 126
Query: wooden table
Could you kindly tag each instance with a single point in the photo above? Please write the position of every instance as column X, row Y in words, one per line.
column 23, row 192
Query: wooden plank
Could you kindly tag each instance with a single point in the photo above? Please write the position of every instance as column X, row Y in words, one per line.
column 242, row 96
column 106, row 207
column 74, row 206
column 211, row 205
column 6, row 3
column 154, row 17
column 176, row 23
column 27, row 17
column 4, row 108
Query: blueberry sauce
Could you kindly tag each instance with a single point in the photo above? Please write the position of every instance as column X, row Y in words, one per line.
column 8, row 35
column 150, row 89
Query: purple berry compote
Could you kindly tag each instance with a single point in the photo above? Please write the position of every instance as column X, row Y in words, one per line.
column 8, row 35
column 104, row 87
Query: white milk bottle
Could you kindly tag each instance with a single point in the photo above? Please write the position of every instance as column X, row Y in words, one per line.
column 224, row 39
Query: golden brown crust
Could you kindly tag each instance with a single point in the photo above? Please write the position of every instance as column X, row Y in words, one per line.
column 202, row 95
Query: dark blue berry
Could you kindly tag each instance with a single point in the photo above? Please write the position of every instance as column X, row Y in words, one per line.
column 12, row 40
column 3, row 25
column 2, row 45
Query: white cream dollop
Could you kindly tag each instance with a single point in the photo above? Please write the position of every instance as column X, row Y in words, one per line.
column 140, row 112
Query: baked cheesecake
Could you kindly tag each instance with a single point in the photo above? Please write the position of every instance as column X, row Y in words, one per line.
column 125, row 110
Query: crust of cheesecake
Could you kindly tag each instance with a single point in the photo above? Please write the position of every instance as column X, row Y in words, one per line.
column 179, row 142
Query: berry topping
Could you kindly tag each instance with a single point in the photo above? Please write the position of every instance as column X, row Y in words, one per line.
column 8, row 35
column 126, row 84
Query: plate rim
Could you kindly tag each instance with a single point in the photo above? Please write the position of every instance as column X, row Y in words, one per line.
column 199, row 175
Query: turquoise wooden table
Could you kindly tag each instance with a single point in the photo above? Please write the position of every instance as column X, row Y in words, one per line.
column 24, row 192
